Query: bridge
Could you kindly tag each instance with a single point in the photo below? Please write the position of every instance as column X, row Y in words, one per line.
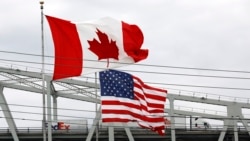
column 138, row 135
column 235, row 122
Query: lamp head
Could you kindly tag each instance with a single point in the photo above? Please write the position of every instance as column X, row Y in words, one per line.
column 41, row 2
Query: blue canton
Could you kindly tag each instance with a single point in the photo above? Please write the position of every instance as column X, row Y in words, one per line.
column 116, row 83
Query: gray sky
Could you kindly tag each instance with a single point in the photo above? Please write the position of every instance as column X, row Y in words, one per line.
column 210, row 34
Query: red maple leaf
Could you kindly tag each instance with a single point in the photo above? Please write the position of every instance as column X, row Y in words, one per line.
column 104, row 48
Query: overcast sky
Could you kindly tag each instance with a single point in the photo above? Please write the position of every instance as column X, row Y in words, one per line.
column 209, row 34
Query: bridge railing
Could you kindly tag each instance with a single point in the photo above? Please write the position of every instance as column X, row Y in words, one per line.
column 199, row 110
column 210, row 96
column 33, row 130
column 134, row 130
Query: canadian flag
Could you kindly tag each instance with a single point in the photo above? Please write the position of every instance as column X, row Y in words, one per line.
column 86, row 47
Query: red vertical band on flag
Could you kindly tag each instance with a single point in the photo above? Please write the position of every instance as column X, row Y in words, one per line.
column 68, row 49
column 132, row 42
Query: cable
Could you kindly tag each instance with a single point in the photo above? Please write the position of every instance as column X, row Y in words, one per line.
column 68, row 109
column 185, row 85
column 72, row 123
column 77, row 110
column 202, row 86
column 163, row 73
column 179, row 116
column 168, row 116
column 166, row 84
column 159, row 73
column 175, row 67
column 33, row 113
column 178, row 74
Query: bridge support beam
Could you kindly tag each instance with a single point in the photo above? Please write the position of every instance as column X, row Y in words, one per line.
column 95, row 123
column 171, row 101
column 223, row 132
column 236, row 137
column 111, row 133
column 49, row 109
column 129, row 134
column 55, row 113
column 245, row 124
column 110, row 129
column 8, row 115
column 233, row 111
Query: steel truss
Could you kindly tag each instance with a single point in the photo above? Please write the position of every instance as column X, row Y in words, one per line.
column 85, row 91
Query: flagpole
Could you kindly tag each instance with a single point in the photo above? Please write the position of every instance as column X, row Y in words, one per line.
column 96, row 108
column 43, row 81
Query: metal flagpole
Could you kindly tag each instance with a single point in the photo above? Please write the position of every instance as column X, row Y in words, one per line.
column 96, row 109
column 43, row 81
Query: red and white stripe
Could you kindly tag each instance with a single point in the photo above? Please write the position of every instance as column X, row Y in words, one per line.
column 147, row 108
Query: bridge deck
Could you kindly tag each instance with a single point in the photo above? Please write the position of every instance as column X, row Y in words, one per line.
column 138, row 134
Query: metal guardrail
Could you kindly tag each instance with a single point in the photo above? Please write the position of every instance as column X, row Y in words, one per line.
column 34, row 130
column 210, row 96
column 38, row 130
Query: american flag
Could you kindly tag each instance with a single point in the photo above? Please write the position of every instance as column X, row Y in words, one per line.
column 126, row 98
